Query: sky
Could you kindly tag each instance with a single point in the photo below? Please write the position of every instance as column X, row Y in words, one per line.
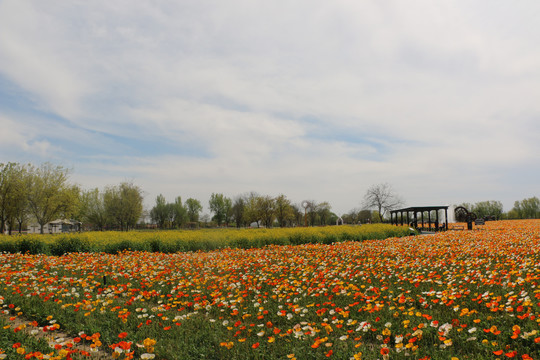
column 316, row 100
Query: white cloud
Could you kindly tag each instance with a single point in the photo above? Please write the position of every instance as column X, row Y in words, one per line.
column 34, row 56
column 19, row 139
column 312, row 99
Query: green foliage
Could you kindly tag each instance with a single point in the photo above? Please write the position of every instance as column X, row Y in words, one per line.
column 123, row 203
column 49, row 194
column 220, row 206
column 527, row 208
column 493, row 208
column 238, row 210
column 31, row 246
column 159, row 212
column 194, row 208
column 92, row 209
column 69, row 244
column 283, row 210
column 29, row 343
column 189, row 240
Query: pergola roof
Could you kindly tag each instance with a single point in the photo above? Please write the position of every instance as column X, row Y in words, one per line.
column 420, row 208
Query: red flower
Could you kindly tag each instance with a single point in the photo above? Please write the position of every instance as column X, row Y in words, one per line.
column 328, row 354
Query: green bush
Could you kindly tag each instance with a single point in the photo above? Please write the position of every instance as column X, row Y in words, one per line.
column 32, row 246
column 64, row 245
column 193, row 240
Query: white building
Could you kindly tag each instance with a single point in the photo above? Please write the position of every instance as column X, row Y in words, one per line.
column 56, row 227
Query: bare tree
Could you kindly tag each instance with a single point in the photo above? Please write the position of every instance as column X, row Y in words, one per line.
column 383, row 198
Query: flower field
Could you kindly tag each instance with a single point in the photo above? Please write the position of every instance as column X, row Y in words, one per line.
column 454, row 295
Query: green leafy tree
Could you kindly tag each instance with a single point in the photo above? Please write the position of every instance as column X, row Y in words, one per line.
column 528, row 208
column 50, row 196
column 220, row 206
column 123, row 203
column 228, row 211
column 160, row 212
column 14, row 186
column 19, row 209
column 170, row 215
column 194, row 208
column 238, row 211
column 180, row 213
column 376, row 217
column 266, row 208
column 311, row 207
column 298, row 215
column 92, row 209
column 483, row 209
column 512, row 214
column 324, row 213
column 350, row 217
column 358, row 216
column 8, row 187
column 251, row 211
column 333, row 219
column 283, row 210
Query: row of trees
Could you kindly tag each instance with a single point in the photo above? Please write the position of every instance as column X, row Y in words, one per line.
column 175, row 214
column 43, row 194
column 485, row 209
column 39, row 192
column 525, row 209
column 116, row 207
column 244, row 210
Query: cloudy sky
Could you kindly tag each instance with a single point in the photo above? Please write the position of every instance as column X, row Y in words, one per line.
column 312, row 99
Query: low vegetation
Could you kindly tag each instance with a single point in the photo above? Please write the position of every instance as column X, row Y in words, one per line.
column 193, row 240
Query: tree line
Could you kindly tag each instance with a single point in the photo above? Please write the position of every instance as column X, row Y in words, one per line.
column 250, row 209
column 523, row 209
column 42, row 194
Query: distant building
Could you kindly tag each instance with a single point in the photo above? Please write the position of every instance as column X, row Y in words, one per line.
column 56, row 227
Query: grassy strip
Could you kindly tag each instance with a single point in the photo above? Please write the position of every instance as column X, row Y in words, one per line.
column 193, row 240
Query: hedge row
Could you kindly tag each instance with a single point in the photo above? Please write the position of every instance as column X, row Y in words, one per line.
column 193, row 240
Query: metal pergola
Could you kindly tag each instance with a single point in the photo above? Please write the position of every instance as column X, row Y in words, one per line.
column 409, row 216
